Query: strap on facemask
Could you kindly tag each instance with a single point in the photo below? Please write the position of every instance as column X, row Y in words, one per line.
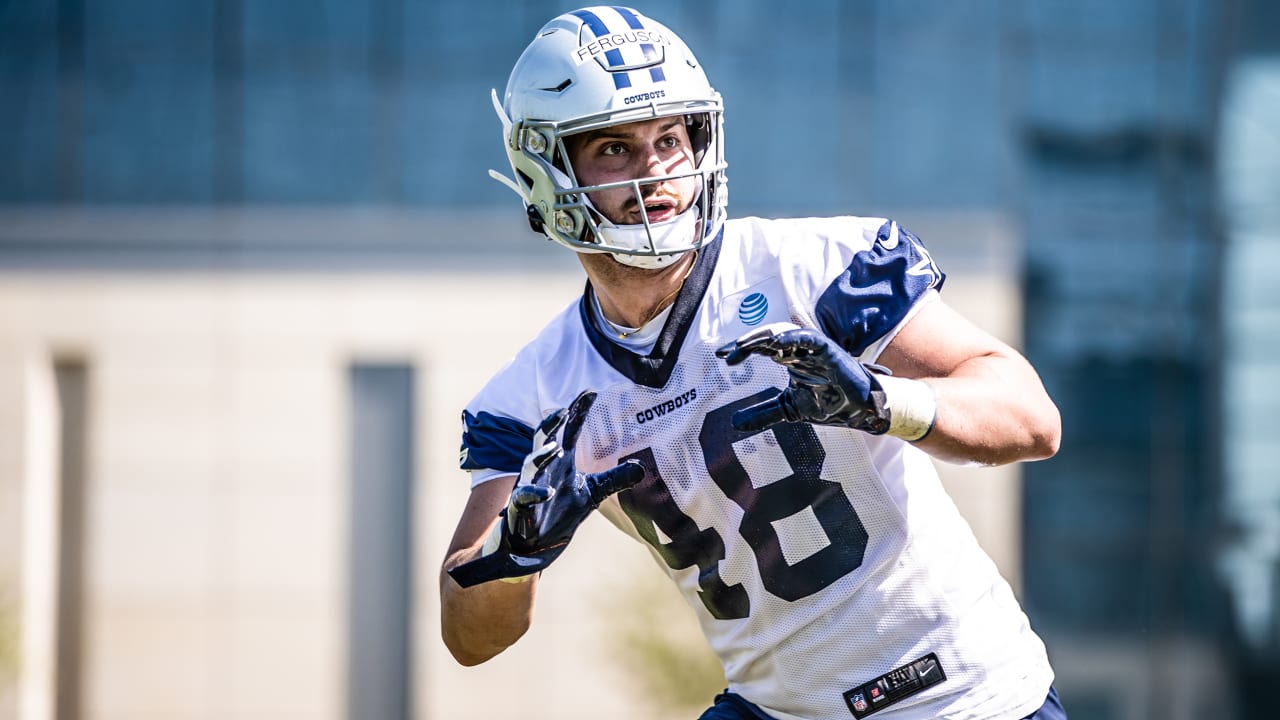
column 647, row 242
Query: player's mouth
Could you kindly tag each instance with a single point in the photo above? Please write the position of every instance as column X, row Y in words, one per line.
column 659, row 210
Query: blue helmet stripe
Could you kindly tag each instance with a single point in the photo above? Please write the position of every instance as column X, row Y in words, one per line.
column 650, row 53
column 633, row 21
column 596, row 24
column 620, row 79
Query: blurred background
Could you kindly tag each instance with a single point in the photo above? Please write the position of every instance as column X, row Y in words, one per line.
column 251, row 269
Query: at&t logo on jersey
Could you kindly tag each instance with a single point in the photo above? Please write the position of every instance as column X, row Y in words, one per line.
column 753, row 309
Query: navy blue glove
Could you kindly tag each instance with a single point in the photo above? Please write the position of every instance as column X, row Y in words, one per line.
column 549, row 501
column 828, row 386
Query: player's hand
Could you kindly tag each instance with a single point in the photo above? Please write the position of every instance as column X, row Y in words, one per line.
column 549, row 502
column 828, row 386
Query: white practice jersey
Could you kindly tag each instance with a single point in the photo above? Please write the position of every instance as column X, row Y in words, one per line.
column 816, row 558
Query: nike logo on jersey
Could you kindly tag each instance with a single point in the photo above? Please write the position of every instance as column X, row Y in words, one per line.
column 891, row 235
column 663, row 408
column 889, row 241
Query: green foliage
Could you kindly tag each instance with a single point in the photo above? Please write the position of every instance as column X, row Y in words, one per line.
column 8, row 636
column 659, row 641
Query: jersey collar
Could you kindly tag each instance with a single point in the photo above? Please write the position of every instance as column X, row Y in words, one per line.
column 653, row 370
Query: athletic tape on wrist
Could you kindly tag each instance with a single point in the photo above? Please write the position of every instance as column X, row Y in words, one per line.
column 913, row 407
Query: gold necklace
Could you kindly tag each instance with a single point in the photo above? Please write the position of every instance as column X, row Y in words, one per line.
column 623, row 334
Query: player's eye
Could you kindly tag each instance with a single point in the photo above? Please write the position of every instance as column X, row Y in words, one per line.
column 669, row 142
column 613, row 148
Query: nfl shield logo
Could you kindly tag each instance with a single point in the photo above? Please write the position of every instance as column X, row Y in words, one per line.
column 859, row 703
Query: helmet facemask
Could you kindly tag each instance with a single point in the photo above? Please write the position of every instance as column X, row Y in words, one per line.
column 649, row 243
column 546, row 97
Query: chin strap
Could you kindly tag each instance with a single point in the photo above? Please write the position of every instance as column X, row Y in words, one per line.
column 679, row 231
column 506, row 138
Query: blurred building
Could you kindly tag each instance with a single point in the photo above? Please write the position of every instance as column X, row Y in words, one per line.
column 251, row 268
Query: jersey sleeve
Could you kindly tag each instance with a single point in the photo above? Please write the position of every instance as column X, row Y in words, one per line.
column 498, row 424
column 493, row 442
column 889, row 276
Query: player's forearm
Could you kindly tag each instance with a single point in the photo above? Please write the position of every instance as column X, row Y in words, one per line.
column 992, row 410
column 479, row 622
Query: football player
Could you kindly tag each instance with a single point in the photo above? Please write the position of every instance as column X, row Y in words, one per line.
column 757, row 400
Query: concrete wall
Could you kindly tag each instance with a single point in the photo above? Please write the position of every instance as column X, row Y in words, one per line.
column 217, row 479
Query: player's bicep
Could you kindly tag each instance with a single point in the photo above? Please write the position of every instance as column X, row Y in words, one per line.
column 936, row 341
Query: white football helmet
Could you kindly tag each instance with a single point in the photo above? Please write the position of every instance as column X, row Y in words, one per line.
column 593, row 68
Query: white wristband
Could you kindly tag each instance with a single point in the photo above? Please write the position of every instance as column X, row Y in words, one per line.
column 491, row 545
column 913, row 407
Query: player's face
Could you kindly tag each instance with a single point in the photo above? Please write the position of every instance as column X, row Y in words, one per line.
column 650, row 148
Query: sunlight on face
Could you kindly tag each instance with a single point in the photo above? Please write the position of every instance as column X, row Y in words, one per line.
column 649, row 148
